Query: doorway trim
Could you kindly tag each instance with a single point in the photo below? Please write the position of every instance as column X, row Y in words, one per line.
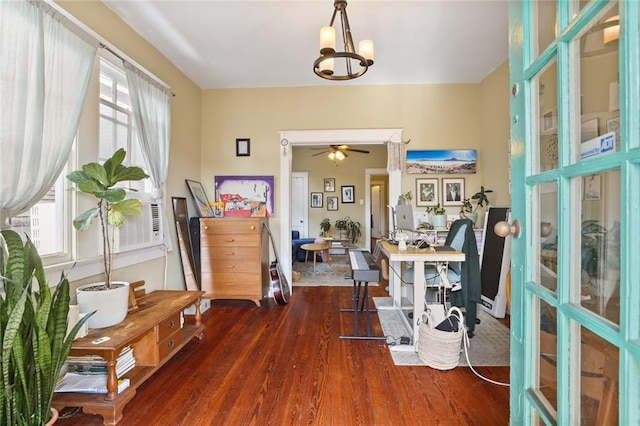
column 367, row 201
column 291, row 138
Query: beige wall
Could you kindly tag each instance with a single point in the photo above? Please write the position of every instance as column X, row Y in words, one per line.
column 185, row 127
column 452, row 116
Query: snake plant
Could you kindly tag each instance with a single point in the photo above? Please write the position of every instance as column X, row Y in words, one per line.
column 33, row 333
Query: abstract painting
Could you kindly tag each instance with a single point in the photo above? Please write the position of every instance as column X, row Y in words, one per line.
column 245, row 196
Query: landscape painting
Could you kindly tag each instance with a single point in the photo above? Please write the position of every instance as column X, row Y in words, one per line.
column 449, row 161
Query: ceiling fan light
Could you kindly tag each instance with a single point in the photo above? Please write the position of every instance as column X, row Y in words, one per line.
column 340, row 155
column 332, row 155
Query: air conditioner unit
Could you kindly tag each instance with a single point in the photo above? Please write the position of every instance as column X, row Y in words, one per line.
column 141, row 231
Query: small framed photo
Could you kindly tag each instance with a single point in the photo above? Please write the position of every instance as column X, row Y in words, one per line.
column 329, row 185
column 243, row 147
column 200, row 198
column 348, row 194
column 452, row 191
column 316, row 199
column 332, row 203
column 427, row 192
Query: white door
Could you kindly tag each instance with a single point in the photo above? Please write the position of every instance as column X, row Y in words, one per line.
column 377, row 210
column 299, row 209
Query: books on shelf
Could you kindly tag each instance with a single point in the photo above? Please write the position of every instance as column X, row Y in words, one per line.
column 96, row 365
column 87, row 383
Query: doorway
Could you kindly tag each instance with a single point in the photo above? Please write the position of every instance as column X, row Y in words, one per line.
column 291, row 138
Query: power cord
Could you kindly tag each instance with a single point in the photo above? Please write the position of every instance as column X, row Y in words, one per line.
column 465, row 344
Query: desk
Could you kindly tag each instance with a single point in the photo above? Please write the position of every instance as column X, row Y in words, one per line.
column 314, row 247
column 418, row 257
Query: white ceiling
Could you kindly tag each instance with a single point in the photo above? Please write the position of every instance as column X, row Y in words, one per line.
column 265, row 43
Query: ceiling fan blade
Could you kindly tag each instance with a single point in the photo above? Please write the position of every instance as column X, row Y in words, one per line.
column 325, row 148
column 357, row 150
column 320, row 153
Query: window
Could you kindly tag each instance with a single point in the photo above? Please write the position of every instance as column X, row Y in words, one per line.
column 106, row 125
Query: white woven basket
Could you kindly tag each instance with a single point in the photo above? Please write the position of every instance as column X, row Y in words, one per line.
column 440, row 349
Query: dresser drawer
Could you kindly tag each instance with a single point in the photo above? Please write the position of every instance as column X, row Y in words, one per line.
column 168, row 327
column 230, row 227
column 230, row 240
column 170, row 343
column 249, row 266
column 228, row 284
column 224, row 254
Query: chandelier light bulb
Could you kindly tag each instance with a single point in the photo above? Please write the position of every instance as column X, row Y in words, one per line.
column 365, row 48
column 327, row 40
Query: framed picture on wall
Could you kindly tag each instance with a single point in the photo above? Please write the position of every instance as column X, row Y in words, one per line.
column 332, row 203
column 427, row 192
column 329, row 185
column 452, row 191
column 316, row 199
column 348, row 194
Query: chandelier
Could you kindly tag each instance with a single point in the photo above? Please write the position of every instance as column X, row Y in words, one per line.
column 355, row 64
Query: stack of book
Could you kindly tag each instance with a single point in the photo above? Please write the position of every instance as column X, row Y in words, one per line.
column 93, row 364
column 88, row 374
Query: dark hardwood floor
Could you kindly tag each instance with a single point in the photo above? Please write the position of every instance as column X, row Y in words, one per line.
column 285, row 365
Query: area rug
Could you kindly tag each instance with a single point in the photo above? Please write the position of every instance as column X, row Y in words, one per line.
column 489, row 346
column 335, row 272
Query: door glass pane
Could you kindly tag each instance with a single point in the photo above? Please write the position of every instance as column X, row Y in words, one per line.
column 598, row 381
column 548, row 235
column 548, row 359
column 599, row 88
column 547, row 24
column 548, row 143
column 600, row 244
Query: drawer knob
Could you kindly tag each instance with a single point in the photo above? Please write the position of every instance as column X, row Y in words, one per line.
column 170, row 324
column 231, row 266
column 231, row 240
column 206, row 227
column 231, row 284
column 253, row 227
column 171, row 342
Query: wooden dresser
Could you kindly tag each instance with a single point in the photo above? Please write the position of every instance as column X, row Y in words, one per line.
column 234, row 258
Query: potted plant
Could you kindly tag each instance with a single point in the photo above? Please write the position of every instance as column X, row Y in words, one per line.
column 100, row 180
column 480, row 199
column 438, row 216
column 349, row 229
column 325, row 225
column 33, row 325
column 405, row 198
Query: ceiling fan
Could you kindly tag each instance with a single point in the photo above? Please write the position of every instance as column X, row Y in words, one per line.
column 339, row 151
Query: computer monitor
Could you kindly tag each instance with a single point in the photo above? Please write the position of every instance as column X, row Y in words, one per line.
column 404, row 217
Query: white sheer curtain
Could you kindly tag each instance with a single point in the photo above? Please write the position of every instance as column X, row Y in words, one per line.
column 44, row 75
column 152, row 112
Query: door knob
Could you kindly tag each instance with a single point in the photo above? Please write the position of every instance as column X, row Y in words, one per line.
column 504, row 228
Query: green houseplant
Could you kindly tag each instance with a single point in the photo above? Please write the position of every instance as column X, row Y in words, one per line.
column 325, row 226
column 33, row 326
column 100, row 181
column 481, row 198
column 350, row 227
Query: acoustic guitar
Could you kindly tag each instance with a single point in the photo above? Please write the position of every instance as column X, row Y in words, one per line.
column 279, row 286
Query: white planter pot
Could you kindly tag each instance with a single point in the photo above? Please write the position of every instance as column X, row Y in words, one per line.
column 439, row 220
column 111, row 305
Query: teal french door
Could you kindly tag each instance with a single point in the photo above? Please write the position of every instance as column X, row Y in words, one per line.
column 575, row 177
